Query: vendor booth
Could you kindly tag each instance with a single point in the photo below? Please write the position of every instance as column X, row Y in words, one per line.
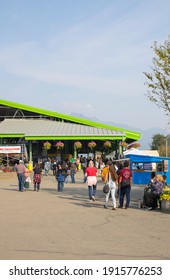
column 143, row 165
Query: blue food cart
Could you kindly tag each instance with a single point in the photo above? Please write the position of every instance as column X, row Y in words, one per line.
column 143, row 165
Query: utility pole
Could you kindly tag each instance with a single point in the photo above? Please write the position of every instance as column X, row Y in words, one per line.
column 166, row 141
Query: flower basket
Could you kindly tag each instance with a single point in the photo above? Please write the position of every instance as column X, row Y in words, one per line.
column 123, row 144
column 60, row 145
column 165, row 200
column 92, row 145
column 47, row 145
column 107, row 145
column 78, row 145
column 134, row 145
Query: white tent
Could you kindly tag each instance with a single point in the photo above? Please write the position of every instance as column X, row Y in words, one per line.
column 134, row 151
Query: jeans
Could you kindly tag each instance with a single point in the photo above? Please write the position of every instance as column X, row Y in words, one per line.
column 112, row 191
column 67, row 179
column 60, row 186
column 92, row 191
column 46, row 171
column 20, row 181
column 72, row 177
column 125, row 191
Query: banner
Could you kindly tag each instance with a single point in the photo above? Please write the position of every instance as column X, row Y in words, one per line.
column 10, row 149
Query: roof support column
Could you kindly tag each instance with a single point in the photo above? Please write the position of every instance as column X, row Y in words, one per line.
column 75, row 152
column 30, row 150
column 30, row 166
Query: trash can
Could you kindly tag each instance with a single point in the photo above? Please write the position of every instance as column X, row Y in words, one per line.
column 30, row 166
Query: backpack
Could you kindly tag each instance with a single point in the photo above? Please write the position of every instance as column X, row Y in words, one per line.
column 60, row 177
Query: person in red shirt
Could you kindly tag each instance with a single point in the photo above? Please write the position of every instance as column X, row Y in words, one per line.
column 91, row 173
column 125, row 181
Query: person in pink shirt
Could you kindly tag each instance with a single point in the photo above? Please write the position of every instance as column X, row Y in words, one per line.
column 91, row 173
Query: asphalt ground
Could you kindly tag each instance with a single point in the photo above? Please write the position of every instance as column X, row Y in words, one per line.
column 50, row 225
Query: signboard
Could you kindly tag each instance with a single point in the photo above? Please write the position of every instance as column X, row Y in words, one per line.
column 165, row 162
column 10, row 149
column 147, row 166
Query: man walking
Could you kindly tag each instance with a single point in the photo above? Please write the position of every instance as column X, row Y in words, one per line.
column 125, row 181
column 21, row 169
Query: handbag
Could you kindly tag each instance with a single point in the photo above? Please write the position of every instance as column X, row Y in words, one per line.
column 106, row 188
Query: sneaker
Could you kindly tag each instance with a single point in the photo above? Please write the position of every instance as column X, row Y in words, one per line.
column 113, row 208
column 150, row 208
column 105, row 207
column 90, row 200
column 93, row 198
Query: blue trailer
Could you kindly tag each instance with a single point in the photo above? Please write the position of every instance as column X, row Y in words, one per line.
column 143, row 165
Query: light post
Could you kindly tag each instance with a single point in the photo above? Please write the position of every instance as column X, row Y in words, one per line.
column 166, row 141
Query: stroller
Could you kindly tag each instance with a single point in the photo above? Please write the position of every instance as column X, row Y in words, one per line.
column 150, row 199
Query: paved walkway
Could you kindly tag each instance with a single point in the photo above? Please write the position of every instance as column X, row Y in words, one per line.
column 51, row 225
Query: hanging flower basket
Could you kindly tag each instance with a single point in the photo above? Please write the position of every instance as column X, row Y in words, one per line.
column 92, row 145
column 107, row 145
column 47, row 145
column 78, row 145
column 123, row 144
column 60, row 145
column 134, row 145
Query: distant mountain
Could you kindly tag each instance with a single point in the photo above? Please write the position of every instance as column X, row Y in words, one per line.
column 147, row 134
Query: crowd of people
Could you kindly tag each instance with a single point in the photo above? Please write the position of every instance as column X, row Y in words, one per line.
column 117, row 176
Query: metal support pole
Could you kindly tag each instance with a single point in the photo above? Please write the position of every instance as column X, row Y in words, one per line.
column 166, row 147
column 30, row 150
column 75, row 152
column 30, row 166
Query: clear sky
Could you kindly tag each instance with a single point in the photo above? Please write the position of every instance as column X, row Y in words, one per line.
column 83, row 56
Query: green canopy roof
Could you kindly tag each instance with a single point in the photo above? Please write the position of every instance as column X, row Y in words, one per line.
column 131, row 135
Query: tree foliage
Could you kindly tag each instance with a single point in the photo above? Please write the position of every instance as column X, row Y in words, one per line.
column 161, row 143
column 158, row 140
column 158, row 81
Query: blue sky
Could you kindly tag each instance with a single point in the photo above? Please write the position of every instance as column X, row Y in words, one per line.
column 83, row 56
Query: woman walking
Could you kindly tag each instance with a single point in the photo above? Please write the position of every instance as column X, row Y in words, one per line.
column 37, row 177
column 91, row 173
column 112, row 179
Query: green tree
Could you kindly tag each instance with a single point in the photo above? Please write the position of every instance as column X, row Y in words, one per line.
column 158, row 81
column 159, row 142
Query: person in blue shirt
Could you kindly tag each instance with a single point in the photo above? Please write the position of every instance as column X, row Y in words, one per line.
column 60, row 177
